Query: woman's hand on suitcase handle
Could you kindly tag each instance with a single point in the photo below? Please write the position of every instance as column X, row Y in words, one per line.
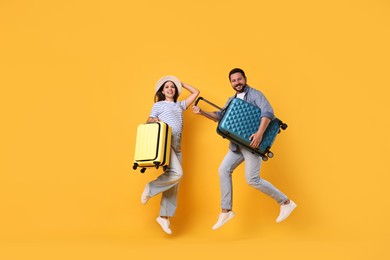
column 210, row 115
column 196, row 109
column 152, row 120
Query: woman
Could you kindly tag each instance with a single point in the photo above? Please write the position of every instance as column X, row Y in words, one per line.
column 169, row 110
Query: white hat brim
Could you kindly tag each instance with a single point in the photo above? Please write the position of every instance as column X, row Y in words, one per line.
column 164, row 79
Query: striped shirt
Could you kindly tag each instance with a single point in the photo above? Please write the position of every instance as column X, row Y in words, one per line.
column 170, row 113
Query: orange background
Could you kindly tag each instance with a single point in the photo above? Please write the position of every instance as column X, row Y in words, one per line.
column 77, row 77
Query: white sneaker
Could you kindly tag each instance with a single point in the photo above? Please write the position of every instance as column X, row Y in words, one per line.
column 285, row 211
column 145, row 195
column 164, row 223
column 222, row 219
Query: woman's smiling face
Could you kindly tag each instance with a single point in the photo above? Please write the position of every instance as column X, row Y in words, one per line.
column 169, row 90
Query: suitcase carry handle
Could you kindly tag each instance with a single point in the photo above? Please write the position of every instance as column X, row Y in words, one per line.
column 208, row 102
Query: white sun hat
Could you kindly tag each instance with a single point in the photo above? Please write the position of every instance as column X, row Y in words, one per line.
column 164, row 79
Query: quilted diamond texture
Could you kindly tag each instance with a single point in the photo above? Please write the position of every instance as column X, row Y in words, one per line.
column 242, row 119
column 270, row 134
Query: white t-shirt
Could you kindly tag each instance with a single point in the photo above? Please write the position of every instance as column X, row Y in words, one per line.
column 241, row 95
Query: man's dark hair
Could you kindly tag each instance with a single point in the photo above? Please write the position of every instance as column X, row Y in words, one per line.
column 237, row 70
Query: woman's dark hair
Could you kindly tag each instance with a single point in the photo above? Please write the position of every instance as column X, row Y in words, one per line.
column 237, row 70
column 160, row 96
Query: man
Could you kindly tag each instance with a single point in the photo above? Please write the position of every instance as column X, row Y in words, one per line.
column 237, row 154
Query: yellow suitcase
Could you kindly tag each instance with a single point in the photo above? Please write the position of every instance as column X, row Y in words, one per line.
column 153, row 146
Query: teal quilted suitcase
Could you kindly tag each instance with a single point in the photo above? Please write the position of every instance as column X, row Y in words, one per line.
column 240, row 120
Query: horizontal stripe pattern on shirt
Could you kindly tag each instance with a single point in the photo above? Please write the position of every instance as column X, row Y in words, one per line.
column 170, row 113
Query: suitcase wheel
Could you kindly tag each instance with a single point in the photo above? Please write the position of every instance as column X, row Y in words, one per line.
column 265, row 158
column 143, row 170
column 165, row 167
column 270, row 154
column 283, row 126
column 135, row 166
column 156, row 164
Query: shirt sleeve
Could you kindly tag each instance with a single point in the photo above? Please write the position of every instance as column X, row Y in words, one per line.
column 263, row 103
column 155, row 110
column 183, row 104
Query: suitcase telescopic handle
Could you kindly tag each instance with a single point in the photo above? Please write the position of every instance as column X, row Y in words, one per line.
column 208, row 102
column 197, row 100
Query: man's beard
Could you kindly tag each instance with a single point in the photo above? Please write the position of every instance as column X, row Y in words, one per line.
column 242, row 89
